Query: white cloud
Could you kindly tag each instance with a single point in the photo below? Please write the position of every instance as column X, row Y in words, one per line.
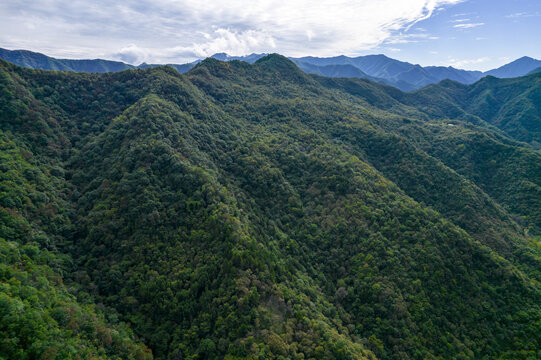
column 468, row 26
column 176, row 31
column 522, row 15
column 399, row 40
column 402, row 38
column 221, row 40
column 463, row 14
column 464, row 64
column 516, row 15
column 132, row 54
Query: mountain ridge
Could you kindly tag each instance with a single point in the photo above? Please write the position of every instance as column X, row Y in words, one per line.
column 379, row 68
column 515, row 68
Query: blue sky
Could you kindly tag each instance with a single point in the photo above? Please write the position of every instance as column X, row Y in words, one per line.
column 475, row 34
column 470, row 34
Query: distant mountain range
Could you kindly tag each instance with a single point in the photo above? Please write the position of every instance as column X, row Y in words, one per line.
column 36, row 60
column 400, row 74
column 379, row 68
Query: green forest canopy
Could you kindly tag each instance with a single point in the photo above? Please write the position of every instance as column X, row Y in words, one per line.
column 253, row 211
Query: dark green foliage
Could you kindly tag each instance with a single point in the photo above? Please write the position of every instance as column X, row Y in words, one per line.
column 474, row 146
column 39, row 317
column 250, row 211
column 511, row 105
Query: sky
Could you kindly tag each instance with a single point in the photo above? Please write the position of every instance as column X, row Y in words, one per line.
column 468, row 34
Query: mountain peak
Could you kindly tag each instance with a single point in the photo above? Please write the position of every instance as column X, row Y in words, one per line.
column 277, row 64
column 220, row 56
column 274, row 57
column 377, row 56
column 516, row 68
column 211, row 64
column 277, row 61
column 246, row 58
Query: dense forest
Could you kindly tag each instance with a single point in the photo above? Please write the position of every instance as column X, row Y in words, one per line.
column 253, row 211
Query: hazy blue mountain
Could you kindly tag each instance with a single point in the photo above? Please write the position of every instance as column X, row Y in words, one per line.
column 181, row 68
column 316, row 65
column 334, row 70
column 379, row 68
column 35, row 60
column 401, row 74
column 408, row 76
column 519, row 67
column 252, row 58
column 535, row 71
column 350, row 71
column 462, row 76
column 385, row 67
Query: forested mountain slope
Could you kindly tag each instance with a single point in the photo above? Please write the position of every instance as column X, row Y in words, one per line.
column 472, row 138
column 512, row 105
column 253, row 211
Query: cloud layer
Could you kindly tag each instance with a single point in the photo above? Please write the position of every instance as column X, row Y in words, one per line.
column 162, row 31
column 467, row 25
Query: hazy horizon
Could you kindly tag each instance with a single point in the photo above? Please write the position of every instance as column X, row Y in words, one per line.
column 139, row 64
